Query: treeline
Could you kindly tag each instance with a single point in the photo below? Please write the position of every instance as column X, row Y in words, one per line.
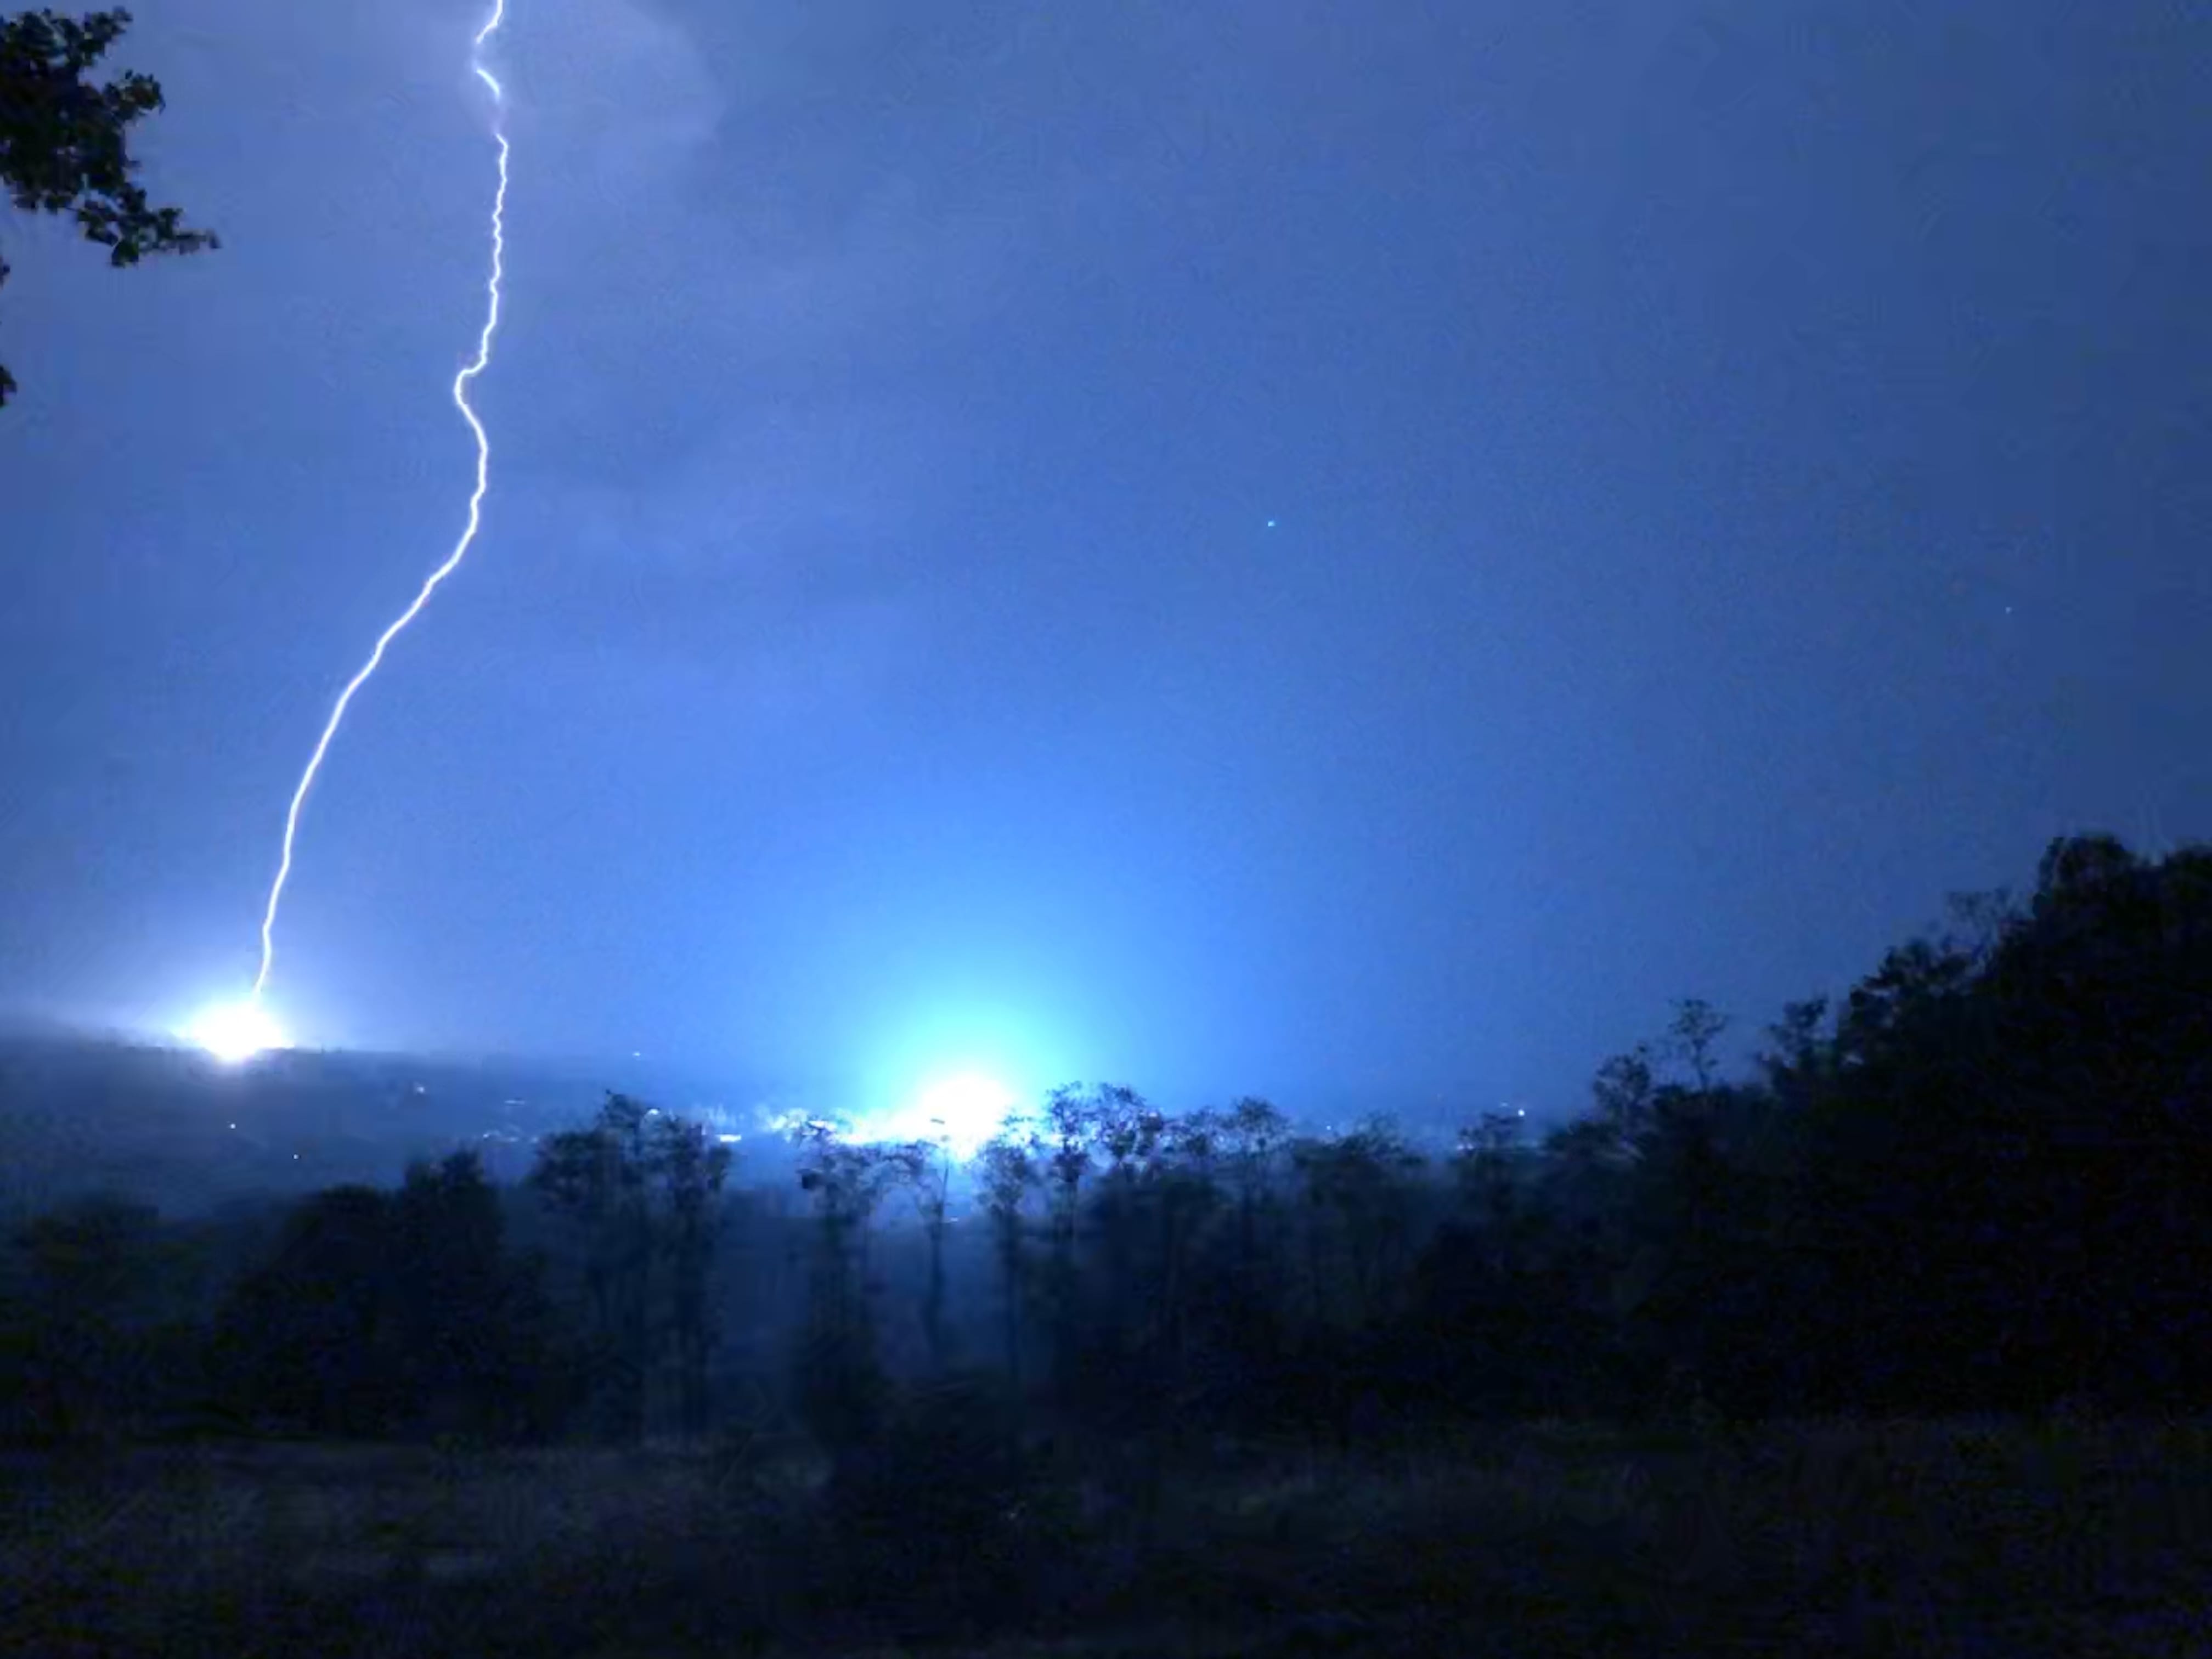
column 1981, row 1182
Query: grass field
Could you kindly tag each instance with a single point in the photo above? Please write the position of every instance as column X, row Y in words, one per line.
column 1910, row 1537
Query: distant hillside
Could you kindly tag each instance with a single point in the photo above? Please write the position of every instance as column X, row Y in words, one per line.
column 169, row 1125
column 174, row 1127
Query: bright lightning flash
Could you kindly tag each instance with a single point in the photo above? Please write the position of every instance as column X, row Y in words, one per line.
column 962, row 1111
column 234, row 1032
column 461, row 393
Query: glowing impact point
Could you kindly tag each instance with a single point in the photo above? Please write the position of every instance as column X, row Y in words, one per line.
column 966, row 1110
column 235, row 1032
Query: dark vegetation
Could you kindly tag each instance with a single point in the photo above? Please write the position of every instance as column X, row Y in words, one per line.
column 1898, row 1344
column 65, row 139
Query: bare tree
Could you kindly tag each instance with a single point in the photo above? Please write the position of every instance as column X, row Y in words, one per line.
column 1694, row 1036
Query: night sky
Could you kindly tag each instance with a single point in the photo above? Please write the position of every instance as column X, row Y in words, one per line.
column 1345, row 551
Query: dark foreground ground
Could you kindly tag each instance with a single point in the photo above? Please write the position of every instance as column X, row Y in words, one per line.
column 1915, row 1538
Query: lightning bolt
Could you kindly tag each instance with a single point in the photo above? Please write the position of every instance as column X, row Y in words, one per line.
column 468, row 374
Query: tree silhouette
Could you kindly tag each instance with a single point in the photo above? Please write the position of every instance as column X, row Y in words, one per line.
column 595, row 1179
column 1357, row 1215
column 840, row 1380
column 64, row 141
column 310, row 1338
column 689, row 1170
column 926, row 1168
column 396, row 1313
column 638, row 1189
column 1007, row 1168
column 97, row 1329
column 1694, row 1036
column 1975, row 1184
column 1253, row 1136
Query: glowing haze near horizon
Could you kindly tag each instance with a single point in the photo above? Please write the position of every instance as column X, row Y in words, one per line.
column 1345, row 555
